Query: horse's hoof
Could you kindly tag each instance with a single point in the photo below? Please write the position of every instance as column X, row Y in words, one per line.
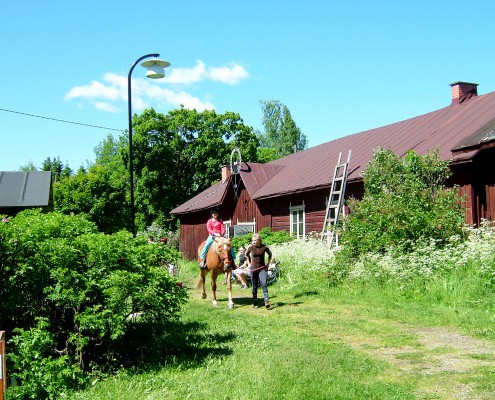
column 203, row 296
column 231, row 306
column 215, row 304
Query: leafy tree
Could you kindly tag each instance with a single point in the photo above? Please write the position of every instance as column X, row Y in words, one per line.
column 58, row 169
column 281, row 132
column 266, row 154
column 176, row 156
column 101, row 192
column 109, row 152
column 98, row 195
column 179, row 155
column 405, row 201
column 29, row 167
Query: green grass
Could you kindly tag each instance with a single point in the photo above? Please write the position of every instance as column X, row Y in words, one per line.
column 315, row 343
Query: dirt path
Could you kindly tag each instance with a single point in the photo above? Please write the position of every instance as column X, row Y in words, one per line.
column 437, row 358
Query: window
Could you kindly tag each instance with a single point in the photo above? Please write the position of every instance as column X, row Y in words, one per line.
column 242, row 228
column 297, row 222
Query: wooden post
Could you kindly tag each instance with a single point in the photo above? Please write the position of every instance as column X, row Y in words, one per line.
column 3, row 366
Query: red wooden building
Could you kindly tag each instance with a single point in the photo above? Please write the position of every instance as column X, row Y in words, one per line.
column 291, row 193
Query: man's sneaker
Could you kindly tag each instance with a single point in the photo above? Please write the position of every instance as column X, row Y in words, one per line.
column 255, row 301
column 267, row 304
column 202, row 263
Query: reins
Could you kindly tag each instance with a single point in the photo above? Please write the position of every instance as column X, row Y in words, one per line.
column 257, row 269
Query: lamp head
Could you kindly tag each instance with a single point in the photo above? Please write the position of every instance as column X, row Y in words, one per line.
column 155, row 68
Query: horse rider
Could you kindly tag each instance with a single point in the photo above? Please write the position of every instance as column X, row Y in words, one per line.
column 216, row 228
column 259, row 269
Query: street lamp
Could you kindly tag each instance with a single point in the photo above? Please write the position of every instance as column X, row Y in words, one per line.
column 155, row 70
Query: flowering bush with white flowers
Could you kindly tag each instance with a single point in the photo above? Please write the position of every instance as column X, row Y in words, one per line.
column 300, row 259
column 429, row 260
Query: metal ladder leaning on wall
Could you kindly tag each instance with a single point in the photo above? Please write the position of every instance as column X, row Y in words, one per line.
column 336, row 200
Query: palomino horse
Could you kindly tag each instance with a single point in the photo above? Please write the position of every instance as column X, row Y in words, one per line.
column 218, row 262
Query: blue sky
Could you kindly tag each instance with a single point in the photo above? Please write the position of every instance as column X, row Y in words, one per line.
column 340, row 66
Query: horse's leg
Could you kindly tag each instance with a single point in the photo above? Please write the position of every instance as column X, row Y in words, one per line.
column 202, row 276
column 214, row 275
column 229, row 288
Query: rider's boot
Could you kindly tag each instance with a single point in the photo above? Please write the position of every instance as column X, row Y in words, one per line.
column 202, row 263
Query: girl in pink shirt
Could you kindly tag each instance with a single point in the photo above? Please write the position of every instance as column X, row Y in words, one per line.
column 216, row 228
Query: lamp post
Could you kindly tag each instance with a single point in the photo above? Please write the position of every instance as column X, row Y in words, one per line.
column 155, row 70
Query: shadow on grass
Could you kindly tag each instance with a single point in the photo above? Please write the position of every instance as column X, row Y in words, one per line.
column 247, row 301
column 187, row 344
column 308, row 293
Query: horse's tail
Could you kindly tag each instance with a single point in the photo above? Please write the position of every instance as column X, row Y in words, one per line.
column 198, row 283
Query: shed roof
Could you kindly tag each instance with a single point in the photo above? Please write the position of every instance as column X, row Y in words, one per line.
column 25, row 189
column 457, row 130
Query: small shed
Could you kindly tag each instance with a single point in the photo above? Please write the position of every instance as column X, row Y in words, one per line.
column 22, row 190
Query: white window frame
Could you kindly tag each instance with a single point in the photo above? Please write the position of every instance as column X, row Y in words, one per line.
column 227, row 224
column 294, row 211
column 253, row 224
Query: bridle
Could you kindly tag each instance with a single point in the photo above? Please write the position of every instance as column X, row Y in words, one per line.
column 225, row 260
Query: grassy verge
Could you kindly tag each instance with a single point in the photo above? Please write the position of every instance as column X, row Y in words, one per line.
column 316, row 343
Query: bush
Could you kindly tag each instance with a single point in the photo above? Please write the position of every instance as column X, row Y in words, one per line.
column 42, row 374
column 405, row 202
column 98, row 291
column 157, row 233
column 268, row 237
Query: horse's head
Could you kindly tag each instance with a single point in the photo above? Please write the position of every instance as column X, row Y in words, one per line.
column 222, row 247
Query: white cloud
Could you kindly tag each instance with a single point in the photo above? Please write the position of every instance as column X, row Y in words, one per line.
column 230, row 75
column 188, row 101
column 113, row 88
column 103, row 105
column 92, row 91
column 186, row 76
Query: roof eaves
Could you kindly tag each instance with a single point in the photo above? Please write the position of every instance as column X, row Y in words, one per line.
column 201, row 202
column 464, row 157
column 483, row 135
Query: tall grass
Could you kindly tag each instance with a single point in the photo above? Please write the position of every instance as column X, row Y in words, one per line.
column 458, row 279
column 312, row 343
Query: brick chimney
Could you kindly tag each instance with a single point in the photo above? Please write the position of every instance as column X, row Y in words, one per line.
column 463, row 91
column 225, row 172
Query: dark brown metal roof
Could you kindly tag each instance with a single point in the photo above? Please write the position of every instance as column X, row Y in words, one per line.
column 455, row 130
column 444, row 129
column 254, row 176
column 210, row 197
